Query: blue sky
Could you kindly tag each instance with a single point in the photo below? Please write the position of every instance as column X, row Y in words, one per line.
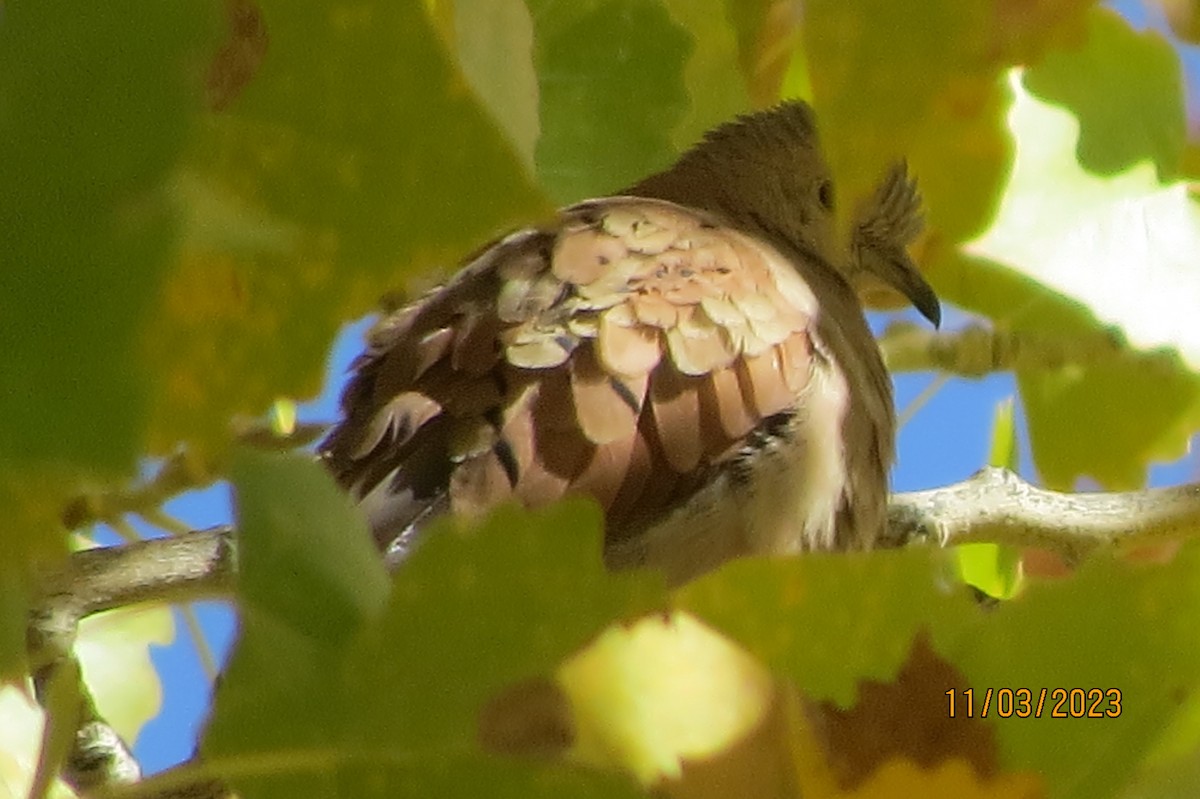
column 945, row 441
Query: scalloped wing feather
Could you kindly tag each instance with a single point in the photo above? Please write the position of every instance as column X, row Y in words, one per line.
column 622, row 352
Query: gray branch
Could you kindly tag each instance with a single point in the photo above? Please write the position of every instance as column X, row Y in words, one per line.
column 174, row 569
column 997, row 506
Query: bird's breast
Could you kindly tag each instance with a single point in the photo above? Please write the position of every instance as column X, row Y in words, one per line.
column 781, row 495
column 796, row 480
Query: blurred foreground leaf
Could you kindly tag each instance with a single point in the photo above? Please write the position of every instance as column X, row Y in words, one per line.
column 398, row 709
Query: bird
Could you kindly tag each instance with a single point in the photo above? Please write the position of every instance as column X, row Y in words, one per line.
column 691, row 353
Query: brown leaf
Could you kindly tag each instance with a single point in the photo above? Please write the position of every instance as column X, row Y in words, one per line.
column 1024, row 29
column 235, row 65
column 766, row 35
column 530, row 718
column 950, row 778
column 783, row 756
column 907, row 718
column 1183, row 17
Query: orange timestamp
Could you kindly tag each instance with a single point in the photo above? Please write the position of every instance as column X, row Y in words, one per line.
column 1024, row 703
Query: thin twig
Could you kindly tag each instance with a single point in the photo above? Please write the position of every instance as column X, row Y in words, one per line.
column 921, row 400
column 182, row 471
column 208, row 661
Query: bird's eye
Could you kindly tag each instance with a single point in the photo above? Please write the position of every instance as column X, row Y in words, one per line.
column 825, row 195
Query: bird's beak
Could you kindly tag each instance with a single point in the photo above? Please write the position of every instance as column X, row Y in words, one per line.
column 891, row 220
column 897, row 270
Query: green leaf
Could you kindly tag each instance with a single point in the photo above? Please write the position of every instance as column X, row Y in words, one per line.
column 1098, row 240
column 494, row 41
column 995, row 569
column 1005, row 450
column 1066, row 403
column 828, row 622
column 714, row 93
column 606, row 121
column 650, row 696
column 1125, row 87
column 14, row 618
column 304, row 553
column 278, row 711
column 831, row 620
column 891, row 80
column 64, row 704
column 1111, row 626
column 396, row 712
column 20, row 744
column 1171, row 768
column 479, row 609
column 469, row 776
column 98, row 106
column 353, row 159
column 1066, row 406
column 282, row 417
column 766, row 33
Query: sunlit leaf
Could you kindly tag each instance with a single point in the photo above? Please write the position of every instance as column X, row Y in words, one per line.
column 1100, row 240
column 20, row 736
column 663, row 691
column 114, row 651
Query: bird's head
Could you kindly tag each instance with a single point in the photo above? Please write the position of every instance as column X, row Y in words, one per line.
column 765, row 172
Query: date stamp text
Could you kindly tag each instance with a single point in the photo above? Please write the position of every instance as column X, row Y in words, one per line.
column 1024, row 703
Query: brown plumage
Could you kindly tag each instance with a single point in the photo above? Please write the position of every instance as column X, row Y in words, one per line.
column 689, row 354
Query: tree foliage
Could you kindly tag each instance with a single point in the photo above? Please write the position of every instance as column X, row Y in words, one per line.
column 198, row 194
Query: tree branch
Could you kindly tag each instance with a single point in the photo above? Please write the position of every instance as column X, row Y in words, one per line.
column 977, row 349
column 192, row 566
column 997, row 506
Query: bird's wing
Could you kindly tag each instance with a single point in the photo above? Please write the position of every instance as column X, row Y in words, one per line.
column 623, row 352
